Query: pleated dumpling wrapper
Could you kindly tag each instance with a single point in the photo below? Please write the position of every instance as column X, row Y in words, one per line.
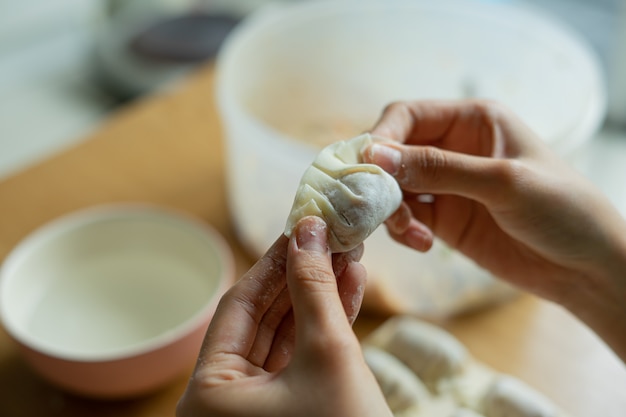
column 353, row 197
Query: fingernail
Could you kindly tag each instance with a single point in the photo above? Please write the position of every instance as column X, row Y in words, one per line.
column 386, row 157
column 418, row 240
column 311, row 234
column 355, row 304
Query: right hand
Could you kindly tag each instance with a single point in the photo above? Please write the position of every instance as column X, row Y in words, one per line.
column 503, row 199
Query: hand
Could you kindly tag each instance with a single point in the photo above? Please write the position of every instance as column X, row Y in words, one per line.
column 502, row 198
column 281, row 343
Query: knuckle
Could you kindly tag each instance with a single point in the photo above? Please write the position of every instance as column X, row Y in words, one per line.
column 427, row 168
column 509, row 171
column 510, row 175
column 343, row 259
column 491, row 110
column 333, row 347
column 395, row 106
column 399, row 221
column 493, row 114
column 315, row 274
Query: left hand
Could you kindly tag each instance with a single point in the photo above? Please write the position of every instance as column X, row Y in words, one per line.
column 281, row 343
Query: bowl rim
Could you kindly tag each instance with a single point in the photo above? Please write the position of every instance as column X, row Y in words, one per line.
column 270, row 18
column 90, row 215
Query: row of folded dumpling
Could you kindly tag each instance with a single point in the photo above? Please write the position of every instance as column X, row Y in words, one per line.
column 424, row 371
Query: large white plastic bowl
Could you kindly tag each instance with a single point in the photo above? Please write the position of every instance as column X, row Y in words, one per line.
column 328, row 68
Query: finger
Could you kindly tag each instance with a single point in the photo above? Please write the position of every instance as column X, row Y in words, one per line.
column 399, row 221
column 349, row 280
column 416, row 236
column 312, row 284
column 419, row 121
column 426, row 121
column 475, row 127
column 283, row 344
column 351, row 288
column 343, row 259
column 404, row 227
column 431, row 170
column 234, row 326
column 396, row 122
column 273, row 331
column 269, row 328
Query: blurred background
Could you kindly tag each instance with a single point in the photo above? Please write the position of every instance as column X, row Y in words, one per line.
column 67, row 64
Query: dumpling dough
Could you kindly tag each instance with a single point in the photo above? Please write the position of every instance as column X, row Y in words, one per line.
column 457, row 384
column 429, row 351
column 510, row 397
column 465, row 412
column 401, row 387
column 353, row 197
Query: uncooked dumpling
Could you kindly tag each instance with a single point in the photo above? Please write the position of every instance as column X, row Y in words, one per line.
column 465, row 412
column 353, row 197
column 401, row 387
column 510, row 397
column 432, row 353
column 459, row 385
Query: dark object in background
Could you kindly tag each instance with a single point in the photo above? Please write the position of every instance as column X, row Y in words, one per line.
column 184, row 39
column 133, row 57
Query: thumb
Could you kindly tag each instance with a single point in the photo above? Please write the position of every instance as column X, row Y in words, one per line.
column 427, row 169
column 312, row 284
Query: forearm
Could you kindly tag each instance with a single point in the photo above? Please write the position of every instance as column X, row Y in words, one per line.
column 601, row 302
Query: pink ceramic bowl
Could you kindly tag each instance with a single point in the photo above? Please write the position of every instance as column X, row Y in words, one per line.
column 114, row 302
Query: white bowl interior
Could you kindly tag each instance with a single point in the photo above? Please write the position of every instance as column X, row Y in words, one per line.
column 105, row 284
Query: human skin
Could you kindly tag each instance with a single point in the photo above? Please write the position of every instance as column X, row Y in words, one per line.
column 505, row 200
column 281, row 342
